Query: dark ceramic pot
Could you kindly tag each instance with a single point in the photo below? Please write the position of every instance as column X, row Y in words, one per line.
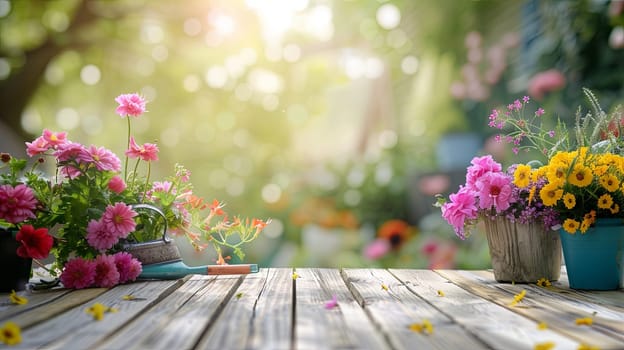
column 15, row 270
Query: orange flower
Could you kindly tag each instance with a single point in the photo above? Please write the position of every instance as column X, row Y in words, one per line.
column 395, row 231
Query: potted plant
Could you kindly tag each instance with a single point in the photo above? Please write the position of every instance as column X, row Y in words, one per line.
column 90, row 206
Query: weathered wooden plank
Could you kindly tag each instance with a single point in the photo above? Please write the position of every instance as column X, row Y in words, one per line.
column 495, row 325
column 74, row 328
column 271, row 326
column 233, row 326
column 394, row 309
column 35, row 300
column 178, row 320
column 344, row 326
column 560, row 316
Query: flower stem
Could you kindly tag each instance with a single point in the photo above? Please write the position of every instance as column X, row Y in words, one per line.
column 127, row 148
column 149, row 170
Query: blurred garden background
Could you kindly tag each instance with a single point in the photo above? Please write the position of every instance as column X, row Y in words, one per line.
column 338, row 119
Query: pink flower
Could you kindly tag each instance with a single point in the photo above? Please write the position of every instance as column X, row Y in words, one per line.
column 118, row 219
column 479, row 167
column 147, row 152
column 17, row 203
column 377, row 249
column 99, row 237
column 460, row 208
column 128, row 267
column 68, row 151
column 38, row 146
column 116, row 184
column 78, row 273
column 35, row 243
column 130, row 105
column 332, row 303
column 103, row 159
column 106, row 274
column 545, row 82
column 495, row 191
column 54, row 138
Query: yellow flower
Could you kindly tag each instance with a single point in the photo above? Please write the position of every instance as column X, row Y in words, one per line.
column 605, row 201
column 556, row 174
column 571, row 226
column 544, row 346
column 17, row 299
column 97, row 310
column 518, row 298
column 10, row 334
column 550, row 194
column 610, row 182
column 585, row 321
column 585, row 225
column 569, row 200
column 424, row 327
column 542, row 326
column 532, row 194
column 615, row 208
column 522, row 175
column 580, row 176
column 543, row 282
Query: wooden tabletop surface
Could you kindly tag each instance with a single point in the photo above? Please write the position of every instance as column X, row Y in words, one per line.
column 284, row 308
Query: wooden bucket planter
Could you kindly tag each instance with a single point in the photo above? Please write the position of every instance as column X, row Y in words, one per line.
column 523, row 253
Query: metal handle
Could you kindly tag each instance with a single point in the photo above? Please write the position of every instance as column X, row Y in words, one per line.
column 165, row 237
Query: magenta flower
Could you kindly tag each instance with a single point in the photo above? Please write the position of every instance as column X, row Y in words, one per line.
column 17, row 203
column 54, row 138
column 130, row 105
column 147, row 152
column 102, row 158
column 38, row 146
column 495, row 191
column 461, row 207
column 479, row 167
column 128, row 267
column 377, row 249
column 99, row 237
column 78, row 273
column 118, row 219
column 106, row 274
column 116, row 184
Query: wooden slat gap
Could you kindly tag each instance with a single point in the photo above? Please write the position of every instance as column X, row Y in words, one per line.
column 219, row 309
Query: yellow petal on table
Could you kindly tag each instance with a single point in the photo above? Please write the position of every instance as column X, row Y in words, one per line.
column 384, row 286
column 542, row 326
column 440, row 293
column 424, row 327
column 295, row 275
column 585, row 321
column 518, row 298
column 17, row 299
column 544, row 346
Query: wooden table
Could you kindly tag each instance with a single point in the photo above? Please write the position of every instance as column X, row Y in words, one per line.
column 273, row 310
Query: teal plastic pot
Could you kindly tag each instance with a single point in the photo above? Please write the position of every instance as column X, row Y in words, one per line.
column 594, row 260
